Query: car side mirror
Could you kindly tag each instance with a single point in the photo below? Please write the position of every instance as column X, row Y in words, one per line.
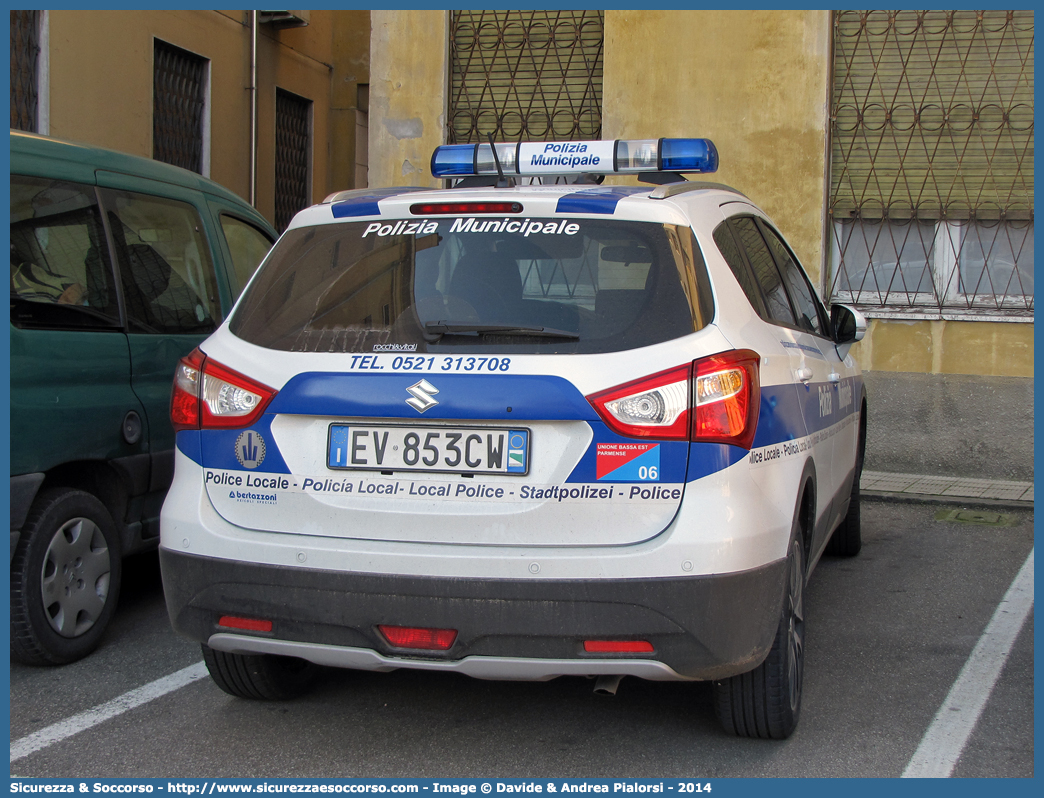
column 848, row 326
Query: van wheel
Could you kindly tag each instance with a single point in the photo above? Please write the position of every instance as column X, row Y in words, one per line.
column 65, row 578
column 266, row 677
column 766, row 701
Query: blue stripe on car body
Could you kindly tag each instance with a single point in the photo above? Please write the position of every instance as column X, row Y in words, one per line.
column 365, row 204
column 514, row 397
column 784, row 415
column 595, row 200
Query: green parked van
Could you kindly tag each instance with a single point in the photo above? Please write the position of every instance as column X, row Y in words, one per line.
column 120, row 266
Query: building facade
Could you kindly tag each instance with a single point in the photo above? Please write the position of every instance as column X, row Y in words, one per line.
column 895, row 149
column 270, row 105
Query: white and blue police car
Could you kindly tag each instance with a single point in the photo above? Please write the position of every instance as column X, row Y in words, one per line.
column 519, row 432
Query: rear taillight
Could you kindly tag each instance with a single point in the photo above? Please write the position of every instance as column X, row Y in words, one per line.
column 652, row 407
column 184, row 399
column 207, row 395
column 723, row 390
column 727, row 396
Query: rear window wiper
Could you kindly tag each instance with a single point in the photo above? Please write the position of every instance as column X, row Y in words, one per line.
column 433, row 330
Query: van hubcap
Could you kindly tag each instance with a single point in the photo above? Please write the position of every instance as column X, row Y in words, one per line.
column 74, row 580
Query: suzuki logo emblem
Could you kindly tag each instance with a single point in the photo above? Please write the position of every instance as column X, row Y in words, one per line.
column 422, row 393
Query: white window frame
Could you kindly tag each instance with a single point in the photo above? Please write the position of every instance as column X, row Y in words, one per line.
column 43, row 77
column 956, row 304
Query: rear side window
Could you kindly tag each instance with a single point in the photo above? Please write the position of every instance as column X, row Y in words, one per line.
column 730, row 251
column 569, row 285
column 809, row 315
column 61, row 274
column 777, row 306
column 248, row 247
column 165, row 266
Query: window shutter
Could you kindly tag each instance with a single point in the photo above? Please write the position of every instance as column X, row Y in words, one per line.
column 933, row 115
column 526, row 75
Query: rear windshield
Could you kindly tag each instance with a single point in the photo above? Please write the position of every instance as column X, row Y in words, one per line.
column 547, row 286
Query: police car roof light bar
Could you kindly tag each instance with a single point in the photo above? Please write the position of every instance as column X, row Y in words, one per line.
column 539, row 159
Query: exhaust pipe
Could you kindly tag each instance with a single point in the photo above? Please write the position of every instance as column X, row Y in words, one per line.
column 607, row 685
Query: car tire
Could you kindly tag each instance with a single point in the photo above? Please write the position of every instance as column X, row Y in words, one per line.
column 65, row 578
column 261, row 677
column 766, row 701
column 847, row 539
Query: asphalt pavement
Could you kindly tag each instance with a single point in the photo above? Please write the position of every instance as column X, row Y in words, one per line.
column 890, row 634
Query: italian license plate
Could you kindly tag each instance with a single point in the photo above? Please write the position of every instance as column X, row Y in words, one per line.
column 391, row 447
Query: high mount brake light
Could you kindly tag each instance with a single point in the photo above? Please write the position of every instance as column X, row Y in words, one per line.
column 464, row 208
column 208, row 395
column 715, row 400
column 547, row 158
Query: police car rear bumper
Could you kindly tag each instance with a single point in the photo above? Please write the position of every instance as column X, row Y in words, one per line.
column 701, row 627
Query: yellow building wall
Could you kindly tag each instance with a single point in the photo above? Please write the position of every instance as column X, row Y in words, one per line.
column 996, row 349
column 101, row 83
column 351, row 69
column 757, row 83
column 409, row 68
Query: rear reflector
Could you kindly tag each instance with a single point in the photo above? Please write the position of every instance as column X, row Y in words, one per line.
column 618, row 647
column 246, row 624
column 418, row 637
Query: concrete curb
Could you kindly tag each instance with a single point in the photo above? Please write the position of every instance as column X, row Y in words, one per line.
column 885, row 486
column 927, row 498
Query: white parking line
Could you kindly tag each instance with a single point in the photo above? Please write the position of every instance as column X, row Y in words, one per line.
column 953, row 724
column 57, row 732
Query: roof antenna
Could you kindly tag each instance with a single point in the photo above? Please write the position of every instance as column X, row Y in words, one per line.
column 502, row 183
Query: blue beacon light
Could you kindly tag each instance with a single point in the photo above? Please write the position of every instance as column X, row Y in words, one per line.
column 535, row 159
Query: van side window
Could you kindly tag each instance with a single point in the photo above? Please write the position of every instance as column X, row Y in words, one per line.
column 765, row 272
column 165, row 265
column 61, row 273
column 248, row 247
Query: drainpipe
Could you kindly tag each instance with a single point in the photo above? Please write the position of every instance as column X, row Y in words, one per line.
column 253, row 108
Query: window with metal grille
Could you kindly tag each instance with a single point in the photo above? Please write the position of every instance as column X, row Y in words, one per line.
column 178, row 106
column 25, row 57
column 932, row 163
column 293, row 145
column 526, row 75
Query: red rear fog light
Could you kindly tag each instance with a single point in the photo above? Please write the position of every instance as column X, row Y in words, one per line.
column 246, row 624
column 419, row 637
column 618, row 647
